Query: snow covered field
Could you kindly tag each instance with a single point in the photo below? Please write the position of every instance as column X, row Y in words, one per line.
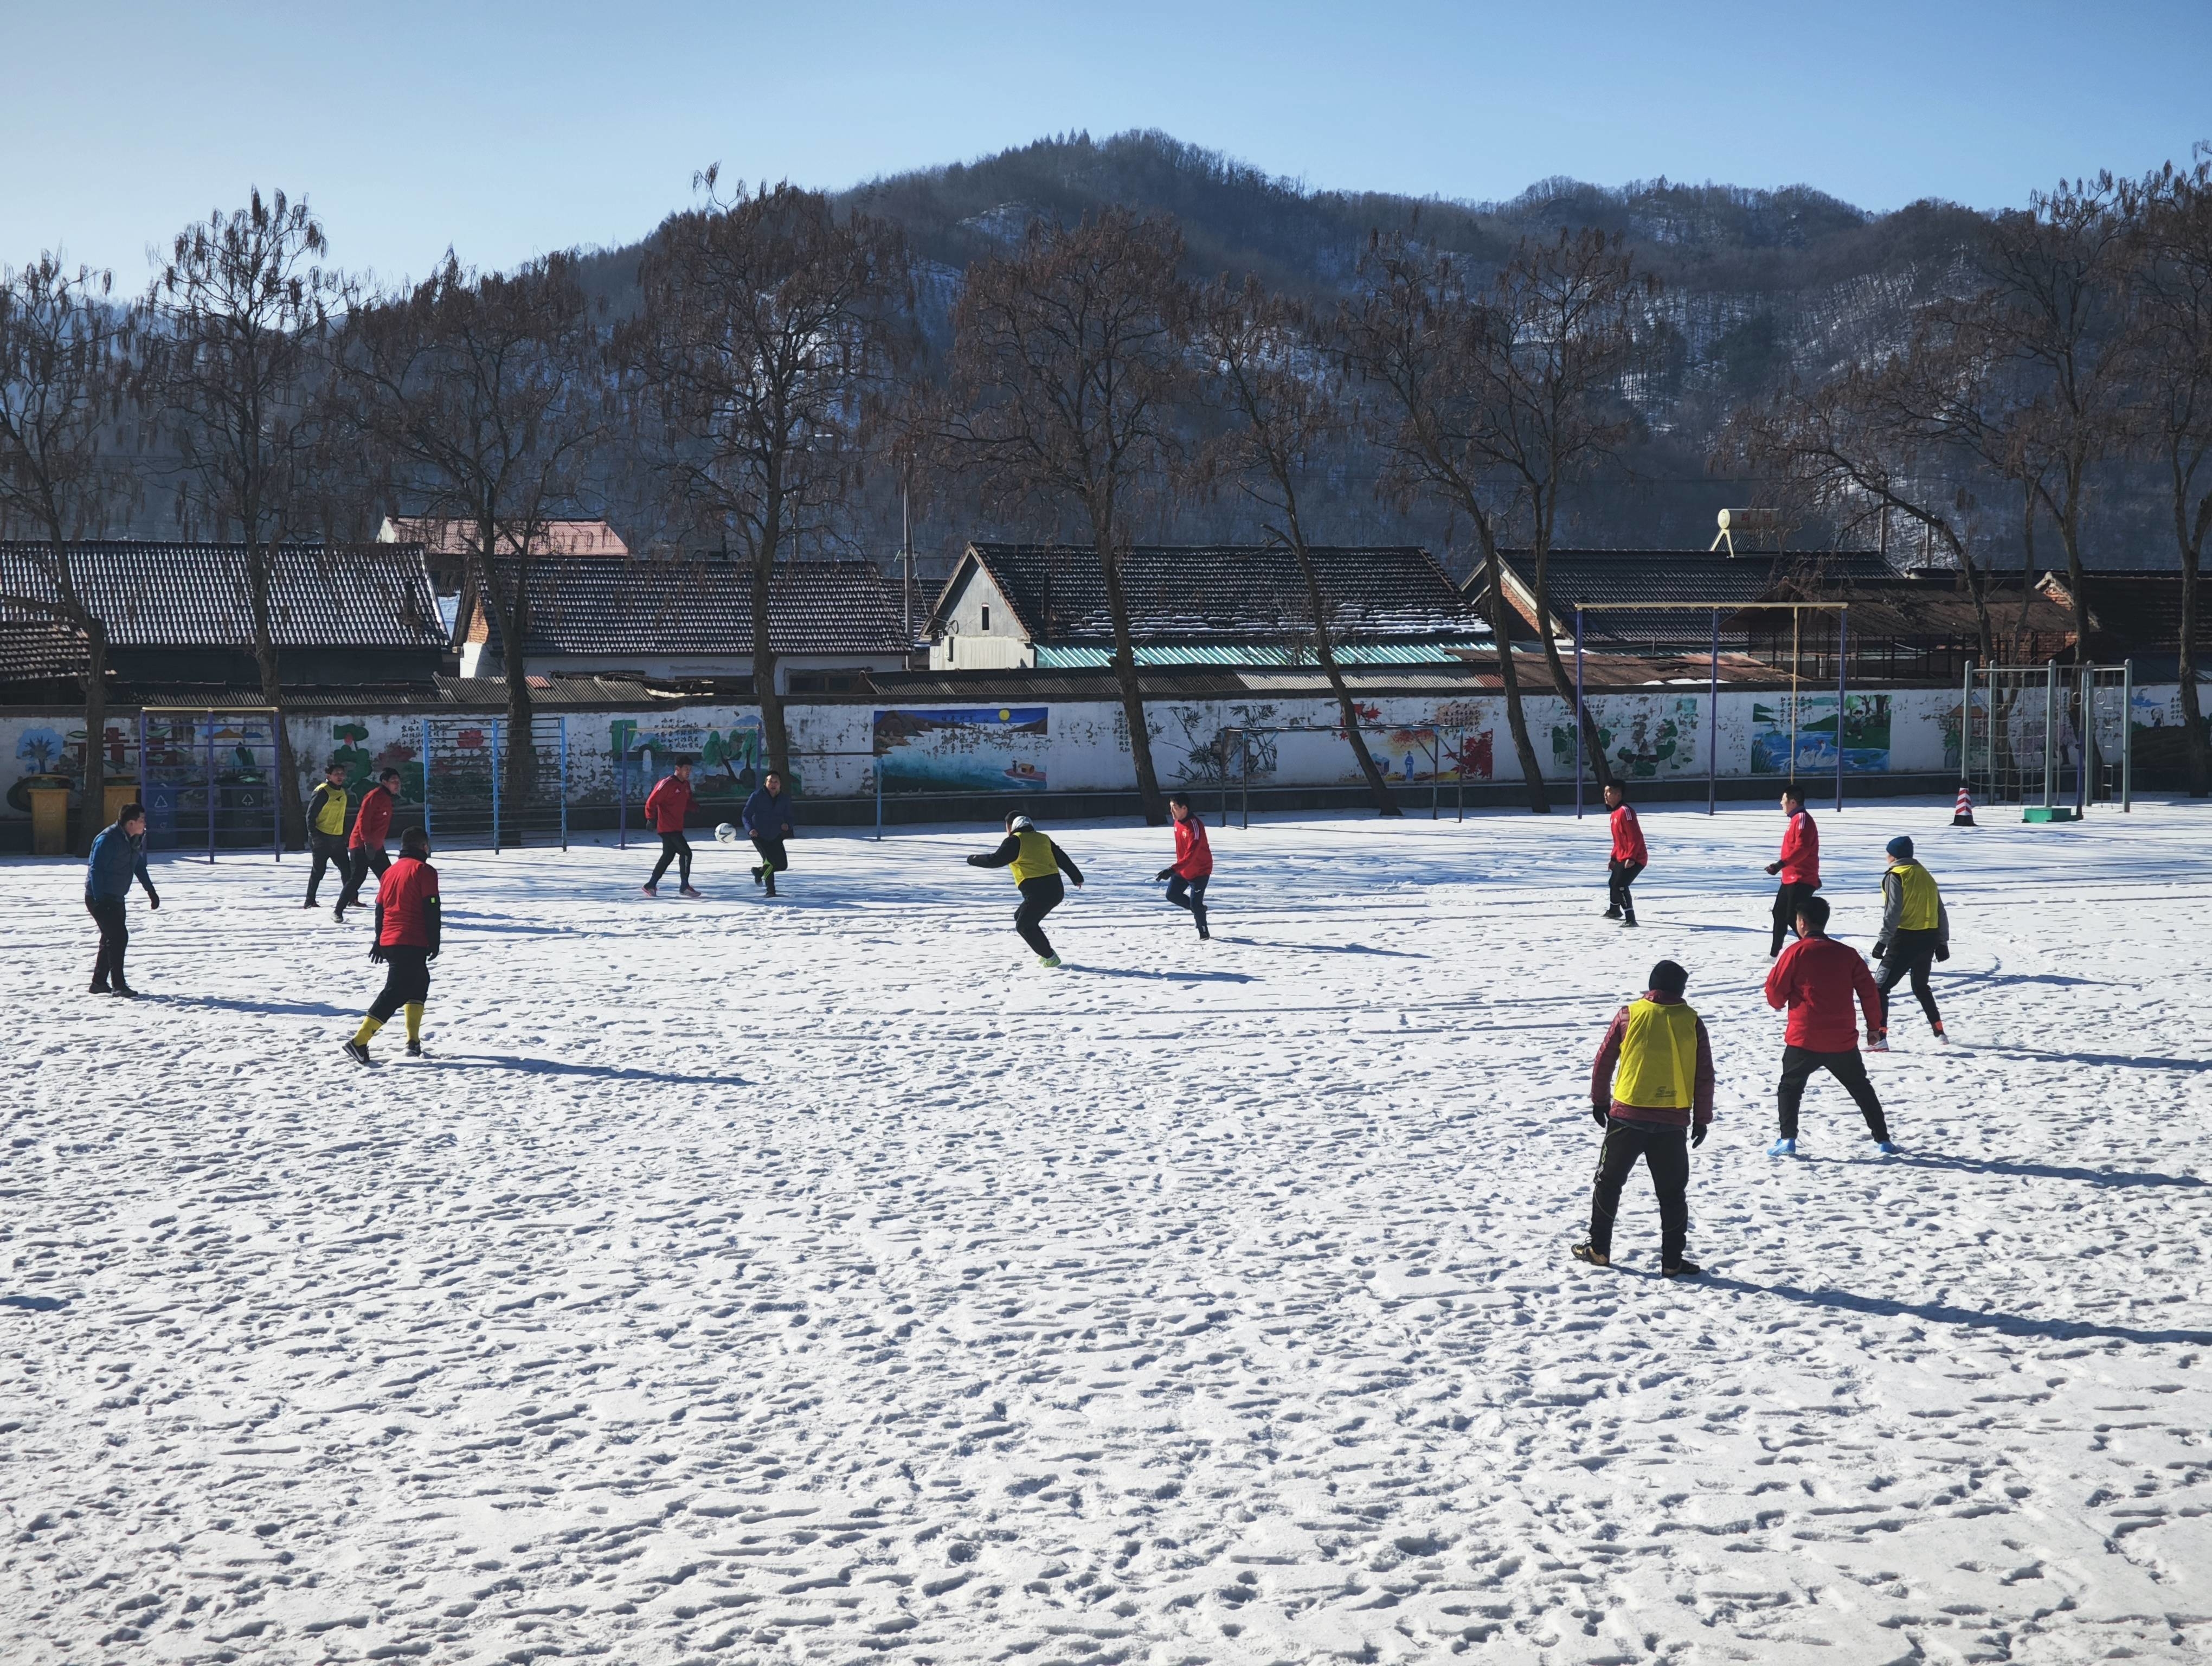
column 821, row 1280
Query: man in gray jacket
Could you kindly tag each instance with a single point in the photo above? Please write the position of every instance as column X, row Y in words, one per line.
column 1916, row 930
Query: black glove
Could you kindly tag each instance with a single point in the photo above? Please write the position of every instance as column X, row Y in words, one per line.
column 975, row 861
column 1882, row 951
column 1774, row 867
column 153, row 898
column 1598, row 1115
column 1943, row 951
column 1698, row 1133
column 376, row 952
column 1165, row 873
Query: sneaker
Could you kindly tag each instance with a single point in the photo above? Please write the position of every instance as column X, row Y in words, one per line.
column 1682, row 1269
column 650, row 890
column 1592, row 1254
column 125, row 991
column 413, row 1050
column 1047, row 960
column 311, row 903
column 687, row 892
column 1783, row 1148
column 1887, row 1147
column 1880, row 1044
column 1204, row 935
column 1626, row 920
column 756, row 875
column 101, row 988
column 338, row 912
column 1613, row 914
column 357, row 1051
column 1938, row 1027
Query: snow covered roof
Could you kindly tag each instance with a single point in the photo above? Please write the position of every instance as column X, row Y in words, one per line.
column 156, row 595
column 584, row 605
column 1195, row 593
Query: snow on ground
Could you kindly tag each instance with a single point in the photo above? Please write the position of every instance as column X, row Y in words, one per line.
column 820, row 1281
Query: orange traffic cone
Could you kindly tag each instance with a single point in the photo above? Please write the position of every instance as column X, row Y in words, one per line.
column 1964, row 815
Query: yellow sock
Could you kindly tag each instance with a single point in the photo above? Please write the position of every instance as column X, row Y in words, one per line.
column 368, row 1027
column 415, row 1020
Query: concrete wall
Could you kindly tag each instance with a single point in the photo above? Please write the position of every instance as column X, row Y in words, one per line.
column 1083, row 746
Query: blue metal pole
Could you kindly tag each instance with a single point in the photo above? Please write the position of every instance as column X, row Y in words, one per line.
column 1713, row 726
column 277, row 791
column 1842, row 693
column 211, row 786
column 562, row 724
column 879, row 801
column 494, row 784
column 621, row 796
column 1578, row 713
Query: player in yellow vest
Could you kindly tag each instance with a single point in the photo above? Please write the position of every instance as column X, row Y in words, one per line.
column 327, row 828
column 1916, row 930
column 1651, row 1091
column 1037, row 863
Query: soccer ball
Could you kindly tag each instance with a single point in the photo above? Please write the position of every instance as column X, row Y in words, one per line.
column 726, row 833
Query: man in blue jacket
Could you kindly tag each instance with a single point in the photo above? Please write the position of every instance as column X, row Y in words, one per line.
column 119, row 856
column 767, row 819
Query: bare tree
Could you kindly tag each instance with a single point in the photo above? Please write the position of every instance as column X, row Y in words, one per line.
column 234, row 350
column 483, row 395
column 1416, row 335
column 1067, row 361
column 2172, row 297
column 766, row 327
column 1264, row 374
column 64, row 355
column 1565, row 328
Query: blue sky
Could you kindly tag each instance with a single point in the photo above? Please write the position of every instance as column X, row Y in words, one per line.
column 508, row 129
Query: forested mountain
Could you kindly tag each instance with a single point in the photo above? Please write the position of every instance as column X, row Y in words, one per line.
column 1756, row 287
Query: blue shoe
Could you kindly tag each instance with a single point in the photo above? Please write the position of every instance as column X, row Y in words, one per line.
column 1887, row 1147
column 1783, row 1148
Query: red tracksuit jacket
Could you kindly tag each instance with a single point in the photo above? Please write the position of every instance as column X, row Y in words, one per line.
column 668, row 806
column 1800, row 852
column 1628, row 836
column 374, row 824
column 1194, row 855
column 1815, row 978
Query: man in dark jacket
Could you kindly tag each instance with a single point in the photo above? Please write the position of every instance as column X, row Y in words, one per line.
column 365, row 849
column 1651, row 1091
column 1037, row 863
column 119, row 856
column 767, row 820
column 1817, row 979
column 326, row 829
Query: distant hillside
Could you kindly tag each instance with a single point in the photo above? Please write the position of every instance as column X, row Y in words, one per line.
column 1758, row 284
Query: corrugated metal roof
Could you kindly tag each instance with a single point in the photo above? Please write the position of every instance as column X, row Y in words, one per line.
column 195, row 595
column 1070, row 656
column 629, row 605
column 1239, row 591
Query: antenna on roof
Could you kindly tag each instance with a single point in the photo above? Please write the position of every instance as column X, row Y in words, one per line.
column 1749, row 522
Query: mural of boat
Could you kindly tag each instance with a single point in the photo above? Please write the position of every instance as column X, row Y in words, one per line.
column 1028, row 774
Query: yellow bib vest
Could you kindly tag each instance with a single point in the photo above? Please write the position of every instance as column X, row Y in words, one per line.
column 1035, row 860
column 332, row 817
column 1921, row 901
column 1658, row 1057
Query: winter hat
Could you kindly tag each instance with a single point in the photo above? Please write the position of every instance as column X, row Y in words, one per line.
column 1022, row 824
column 1670, row 979
column 1900, row 848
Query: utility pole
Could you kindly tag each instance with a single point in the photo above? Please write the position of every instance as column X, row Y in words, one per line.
column 906, row 557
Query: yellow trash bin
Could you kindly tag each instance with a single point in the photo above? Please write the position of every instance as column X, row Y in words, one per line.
column 117, row 796
column 50, row 821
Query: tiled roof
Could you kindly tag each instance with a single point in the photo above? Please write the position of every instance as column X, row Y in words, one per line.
column 601, row 605
column 1437, row 650
column 41, row 650
column 2135, row 609
column 1595, row 577
column 1241, row 592
column 194, row 595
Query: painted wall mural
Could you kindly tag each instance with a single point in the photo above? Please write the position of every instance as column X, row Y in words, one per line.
column 964, row 749
column 1811, row 719
column 1644, row 736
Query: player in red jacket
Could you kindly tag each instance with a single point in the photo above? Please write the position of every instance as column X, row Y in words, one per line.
column 1193, row 866
column 1629, row 858
column 667, row 808
column 408, row 929
column 1799, row 865
column 1817, row 979
column 372, row 826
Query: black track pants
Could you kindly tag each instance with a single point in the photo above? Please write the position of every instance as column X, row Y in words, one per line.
column 1190, row 894
column 1666, row 1153
column 330, row 851
column 1040, row 896
column 1913, row 954
column 406, row 977
column 360, row 859
column 114, row 937
column 1798, row 1064
column 1786, row 900
column 773, row 860
column 674, row 848
column 1621, row 876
